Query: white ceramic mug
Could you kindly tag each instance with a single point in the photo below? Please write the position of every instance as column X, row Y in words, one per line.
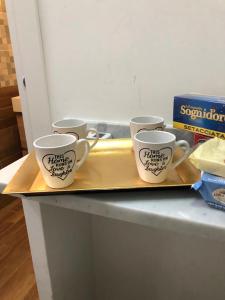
column 145, row 123
column 78, row 128
column 57, row 158
column 154, row 154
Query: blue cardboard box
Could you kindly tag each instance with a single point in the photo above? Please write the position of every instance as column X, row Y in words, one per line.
column 200, row 114
column 212, row 189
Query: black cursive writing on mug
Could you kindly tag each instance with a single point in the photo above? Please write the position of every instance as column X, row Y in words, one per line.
column 148, row 129
column 155, row 161
column 59, row 165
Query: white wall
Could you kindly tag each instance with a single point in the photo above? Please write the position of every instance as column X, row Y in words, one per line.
column 113, row 59
column 30, row 64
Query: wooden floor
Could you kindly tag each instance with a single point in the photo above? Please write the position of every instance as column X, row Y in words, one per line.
column 17, row 281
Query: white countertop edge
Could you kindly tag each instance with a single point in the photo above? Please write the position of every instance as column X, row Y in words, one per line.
column 148, row 211
column 7, row 173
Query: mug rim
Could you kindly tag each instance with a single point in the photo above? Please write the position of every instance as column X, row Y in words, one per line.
column 80, row 123
column 54, row 135
column 135, row 121
column 155, row 132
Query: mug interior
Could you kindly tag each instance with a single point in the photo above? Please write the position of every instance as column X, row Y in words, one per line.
column 68, row 123
column 54, row 141
column 155, row 137
column 147, row 120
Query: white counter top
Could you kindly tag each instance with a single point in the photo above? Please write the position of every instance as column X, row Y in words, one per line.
column 180, row 210
column 7, row 173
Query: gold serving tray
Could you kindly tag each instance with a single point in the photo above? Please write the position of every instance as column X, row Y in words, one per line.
column 110, row 166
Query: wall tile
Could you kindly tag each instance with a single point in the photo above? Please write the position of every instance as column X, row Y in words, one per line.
column 2, row 6
column 7, row 67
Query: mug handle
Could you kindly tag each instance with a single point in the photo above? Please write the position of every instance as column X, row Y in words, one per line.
column 95, row 140
column 186, row 147
column 87, row 149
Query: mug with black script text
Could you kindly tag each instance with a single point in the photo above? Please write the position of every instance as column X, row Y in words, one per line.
column 57, row 157
column 145, row 123
column 78, row 128
column 154, row 152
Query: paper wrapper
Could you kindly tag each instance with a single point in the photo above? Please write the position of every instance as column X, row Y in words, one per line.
column 210, row 157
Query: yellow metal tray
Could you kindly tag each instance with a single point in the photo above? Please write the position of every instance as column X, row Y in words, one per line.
column 110, row 166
